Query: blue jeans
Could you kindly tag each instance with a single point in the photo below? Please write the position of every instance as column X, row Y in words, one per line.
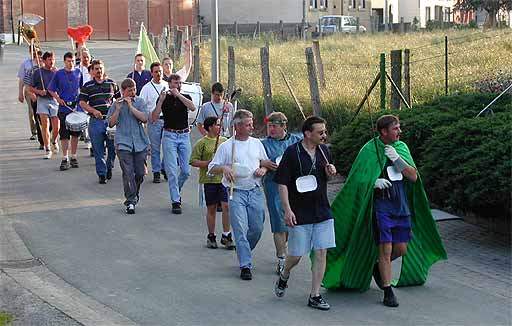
column 247, row 214
column 98, row 134
column 177, row 149
column 155, row 138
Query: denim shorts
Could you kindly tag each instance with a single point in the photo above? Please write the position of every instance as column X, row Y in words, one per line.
column 47, row 105
column 303, row 238
column 215, row 193
column 393, row 228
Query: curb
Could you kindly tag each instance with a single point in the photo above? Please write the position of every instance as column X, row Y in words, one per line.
column 18, row 263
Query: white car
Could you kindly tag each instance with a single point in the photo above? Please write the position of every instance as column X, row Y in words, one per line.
column 339, row 24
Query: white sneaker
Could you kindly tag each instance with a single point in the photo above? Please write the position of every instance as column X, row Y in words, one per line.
column 55, row 148
column 48, row 154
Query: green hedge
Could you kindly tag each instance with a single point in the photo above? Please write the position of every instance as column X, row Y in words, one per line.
column 465, row 162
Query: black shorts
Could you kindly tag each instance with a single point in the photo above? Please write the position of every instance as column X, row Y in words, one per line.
column 64, row 133
column 215, row 193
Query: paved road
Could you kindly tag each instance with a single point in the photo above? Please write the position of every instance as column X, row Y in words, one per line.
column 154, row 269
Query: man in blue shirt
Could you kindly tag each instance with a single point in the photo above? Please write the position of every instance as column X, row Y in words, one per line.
column 47, row 106
column 64, row 87
column 24, row 78
column 127, row 115
column 139, row 74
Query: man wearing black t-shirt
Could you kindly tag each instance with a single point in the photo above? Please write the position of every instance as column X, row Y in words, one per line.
column 175, row 137
column 302, row 178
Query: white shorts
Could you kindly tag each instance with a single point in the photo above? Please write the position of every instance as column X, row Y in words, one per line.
column 47, row 105
column 303, row 238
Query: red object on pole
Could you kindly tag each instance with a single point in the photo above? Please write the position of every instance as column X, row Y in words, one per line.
column 80, row 34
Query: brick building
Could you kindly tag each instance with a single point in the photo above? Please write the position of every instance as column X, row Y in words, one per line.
column 111, row 19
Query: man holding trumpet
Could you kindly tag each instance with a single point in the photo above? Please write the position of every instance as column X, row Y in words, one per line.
column 131, row 142
column 239, row 161
column 174, row 108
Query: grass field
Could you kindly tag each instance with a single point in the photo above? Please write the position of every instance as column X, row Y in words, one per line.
column 351, row 63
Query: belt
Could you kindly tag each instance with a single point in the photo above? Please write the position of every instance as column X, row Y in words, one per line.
column 178, row 131
column 103, row 117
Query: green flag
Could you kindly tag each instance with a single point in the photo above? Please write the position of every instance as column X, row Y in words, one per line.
column 145, row 47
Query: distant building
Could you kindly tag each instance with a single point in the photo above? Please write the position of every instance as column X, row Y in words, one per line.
column 111, row 19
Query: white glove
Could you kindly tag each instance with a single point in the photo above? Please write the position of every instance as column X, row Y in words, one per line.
column 382, row 184
column 391, row 153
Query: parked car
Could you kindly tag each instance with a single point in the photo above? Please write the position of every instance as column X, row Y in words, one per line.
column 339, row 24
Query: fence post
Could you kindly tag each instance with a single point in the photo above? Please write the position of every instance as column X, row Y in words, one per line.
column 372, row 24
column 396, row 76
column 319, row 63
column 402, row 25
column 382, row 81
column 177, row 45
column 265, row 77
column 313, row 83
column 281, row 30
column 197, row 77
column 231, row 69
column 446, row 65
column 407, row 76
column 357, row 25
column 235, row 28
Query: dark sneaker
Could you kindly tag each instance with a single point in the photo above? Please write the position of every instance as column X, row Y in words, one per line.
column 227, row 241
column 130, row 209
column 41, row 147
column 74, row 163
column 164, row 174
column 102, row 180
column 211, row 241
column 390, row 299
column 91, row 152
column 318, row 303
column 156, row 177
column 245, row 274
column 33, row 137
column 176, row 208
column 376, row 276
column 64, row 165
column 280, row 287
column 109, row 174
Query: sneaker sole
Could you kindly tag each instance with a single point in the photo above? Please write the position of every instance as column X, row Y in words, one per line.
column 318, row 307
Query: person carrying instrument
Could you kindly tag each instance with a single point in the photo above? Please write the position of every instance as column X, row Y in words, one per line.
column 150, row 93
column 64, row 88
column 47, row 106
column 216, row 108
column 174, row 107
column 302, row 177
column 95, row 98
column 131, row 142
column 239, row 161
column 278, row 139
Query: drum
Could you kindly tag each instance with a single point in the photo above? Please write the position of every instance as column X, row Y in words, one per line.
column 77, row 121
column 195, row 92
column 111, row 132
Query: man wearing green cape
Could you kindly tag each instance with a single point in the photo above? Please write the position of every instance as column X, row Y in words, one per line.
column 382, row 213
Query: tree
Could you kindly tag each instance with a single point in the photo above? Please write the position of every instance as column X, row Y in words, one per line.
column 491, row 6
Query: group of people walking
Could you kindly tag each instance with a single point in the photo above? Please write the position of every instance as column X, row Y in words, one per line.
column 239, row 174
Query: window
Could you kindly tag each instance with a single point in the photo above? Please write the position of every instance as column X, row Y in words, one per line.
column 427, row 14
column 323, row 4
column 312, row 4
column 363, row 4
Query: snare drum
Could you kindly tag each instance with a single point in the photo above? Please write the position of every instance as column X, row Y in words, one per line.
column 77, row 121
column 195, row 92
column 111, row 132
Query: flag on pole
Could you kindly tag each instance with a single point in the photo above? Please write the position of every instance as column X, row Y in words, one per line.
column 145, row 47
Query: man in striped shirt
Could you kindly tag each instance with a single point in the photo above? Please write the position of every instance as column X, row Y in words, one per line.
column 96, row 97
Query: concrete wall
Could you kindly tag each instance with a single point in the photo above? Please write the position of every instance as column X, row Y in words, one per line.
column 250, row 11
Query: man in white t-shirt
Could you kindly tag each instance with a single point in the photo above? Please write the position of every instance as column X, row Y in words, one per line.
column 243, row 174
column 216, row 108
column 150, row 93
column 85, row 61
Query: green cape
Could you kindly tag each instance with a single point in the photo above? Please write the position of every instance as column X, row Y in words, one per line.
column 350, row 264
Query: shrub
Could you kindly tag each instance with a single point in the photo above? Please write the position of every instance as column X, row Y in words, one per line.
column 447, row 146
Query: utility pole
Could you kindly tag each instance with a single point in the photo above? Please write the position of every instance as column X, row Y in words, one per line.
column 215, row 41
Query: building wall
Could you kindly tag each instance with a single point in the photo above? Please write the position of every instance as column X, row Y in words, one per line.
column 250, row 11
column 77, row 13
column 432, row 4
